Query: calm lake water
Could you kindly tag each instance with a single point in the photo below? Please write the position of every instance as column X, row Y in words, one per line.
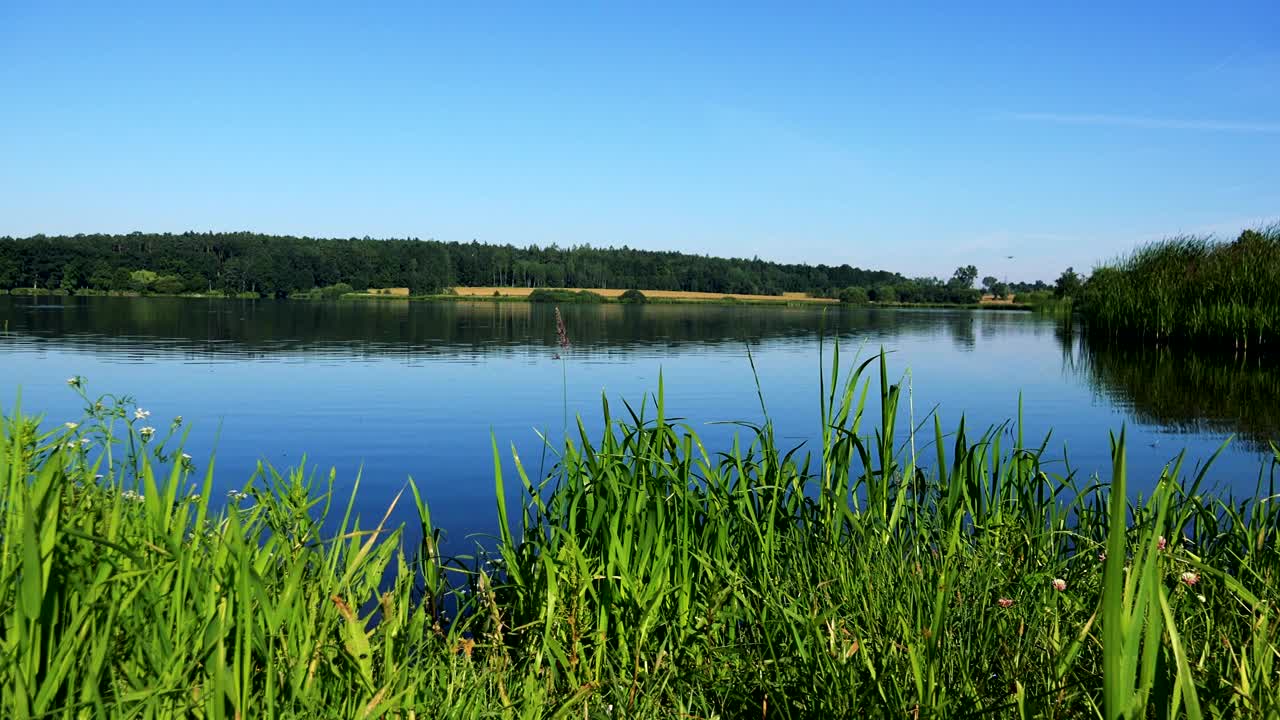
column 418, row 389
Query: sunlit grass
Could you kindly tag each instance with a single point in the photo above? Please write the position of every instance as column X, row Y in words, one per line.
column 646, row 576
column 1192, row 289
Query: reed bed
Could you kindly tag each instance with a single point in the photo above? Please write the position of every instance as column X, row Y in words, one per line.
column 953, row 574
column 1192, row 290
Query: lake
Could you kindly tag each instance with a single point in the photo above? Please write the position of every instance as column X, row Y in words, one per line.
column 395, row 389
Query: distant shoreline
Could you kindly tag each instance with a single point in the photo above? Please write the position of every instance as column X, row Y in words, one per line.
column 521, row 295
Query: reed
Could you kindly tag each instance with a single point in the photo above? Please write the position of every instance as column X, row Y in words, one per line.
column 888, row 572
column 1045, row 303
column 1191, row 290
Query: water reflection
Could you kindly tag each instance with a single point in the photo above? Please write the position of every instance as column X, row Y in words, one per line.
column 264, row 328
column 1183, row 391
column 965, row 355
column 962, row 334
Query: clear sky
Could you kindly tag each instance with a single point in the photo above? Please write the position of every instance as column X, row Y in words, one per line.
column 914, row 140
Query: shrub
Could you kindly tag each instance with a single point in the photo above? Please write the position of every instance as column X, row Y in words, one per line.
column 884, row 294
column 168, row 284
column 197, row 284
column 633, row 296
column 336, row 290
column 141, row 280
column 853, row 296
column 545, row 295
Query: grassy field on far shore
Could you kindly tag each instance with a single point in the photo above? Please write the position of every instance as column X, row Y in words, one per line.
column 612, row 293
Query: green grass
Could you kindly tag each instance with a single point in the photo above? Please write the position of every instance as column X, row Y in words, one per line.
column 1191, row 290
column 645, row 576
column 1045, row 303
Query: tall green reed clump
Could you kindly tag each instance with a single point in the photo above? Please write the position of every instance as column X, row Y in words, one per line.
column 125, row 591
column 1192, row 289
column 888, row 573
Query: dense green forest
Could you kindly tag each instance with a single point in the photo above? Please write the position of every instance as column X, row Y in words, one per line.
column 280, row 266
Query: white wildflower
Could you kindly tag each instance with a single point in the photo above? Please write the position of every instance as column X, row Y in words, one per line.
column 85, row 441
column 186, row 457
column 71, row 425
column 74, row 381
column 131, row 495
column 236, row 495
column 147, row 432
column 140, row 414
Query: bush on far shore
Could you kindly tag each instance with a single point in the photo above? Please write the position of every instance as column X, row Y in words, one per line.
column 854, row 296
column 548, row 295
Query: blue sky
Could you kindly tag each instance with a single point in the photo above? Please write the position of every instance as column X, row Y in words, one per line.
column 909, row 139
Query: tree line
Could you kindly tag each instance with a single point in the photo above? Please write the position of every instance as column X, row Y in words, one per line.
column 280, row 266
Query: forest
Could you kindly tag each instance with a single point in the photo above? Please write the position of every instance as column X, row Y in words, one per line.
column 244, row 263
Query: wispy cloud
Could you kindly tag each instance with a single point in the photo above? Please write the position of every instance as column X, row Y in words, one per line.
column 1223, row 63
column 1148, row 123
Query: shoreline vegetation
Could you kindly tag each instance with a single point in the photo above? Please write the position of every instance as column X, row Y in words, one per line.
column 287, row 266
column 958, row 571
column 1191, row 291
column 1180, row 290
column 556, row 295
